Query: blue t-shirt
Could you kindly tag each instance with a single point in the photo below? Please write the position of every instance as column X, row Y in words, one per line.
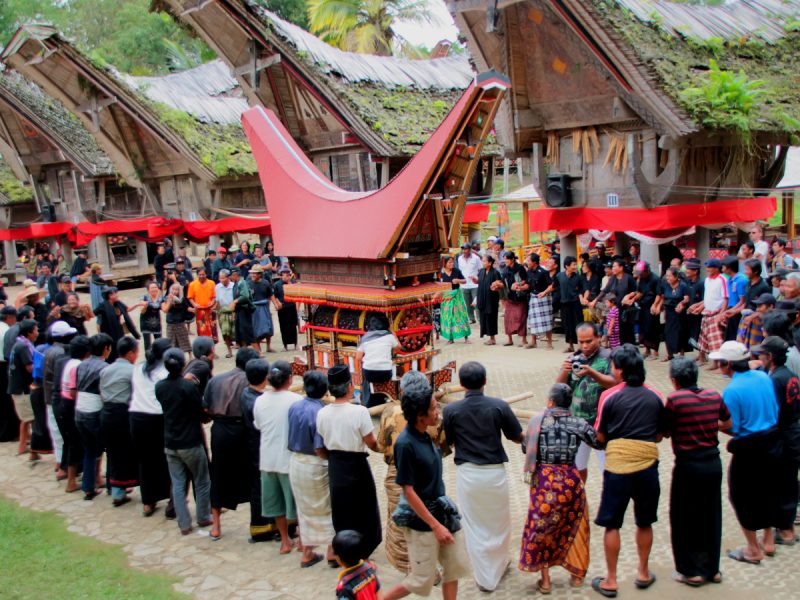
column 750, row 397
column 737, row 287
column 303, row 436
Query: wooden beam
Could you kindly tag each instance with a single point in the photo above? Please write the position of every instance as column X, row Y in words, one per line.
column 93, row 106
column 788, row 213
column 257, row 64
column 526, row 224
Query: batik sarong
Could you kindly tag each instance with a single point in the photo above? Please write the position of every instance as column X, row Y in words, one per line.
column 515, row 318
column 225, row 318
column 556, row 532
column 453, row 317
column 751, row 331
column 205, row 323
column 308, row 476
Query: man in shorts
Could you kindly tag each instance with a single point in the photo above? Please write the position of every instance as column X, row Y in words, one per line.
column 629, row 423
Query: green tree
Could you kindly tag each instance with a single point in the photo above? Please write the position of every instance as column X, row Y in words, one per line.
column 364, row 25
column 294, row 11
column 124, row 34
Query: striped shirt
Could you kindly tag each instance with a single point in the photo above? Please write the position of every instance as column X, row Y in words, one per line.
column 693, row 416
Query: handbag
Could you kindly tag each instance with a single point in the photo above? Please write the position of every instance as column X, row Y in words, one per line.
column 443, row 510
column 630, row 314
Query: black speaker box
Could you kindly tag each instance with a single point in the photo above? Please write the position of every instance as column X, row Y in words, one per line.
column 558, row 193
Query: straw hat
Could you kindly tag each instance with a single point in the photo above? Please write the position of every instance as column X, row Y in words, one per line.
column 33, row 291
column 257, row 269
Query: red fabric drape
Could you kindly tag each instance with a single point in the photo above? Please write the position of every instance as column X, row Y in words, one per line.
column 476, row 213
column 674, row 216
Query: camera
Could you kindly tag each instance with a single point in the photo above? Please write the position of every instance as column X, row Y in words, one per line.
column 578, row 360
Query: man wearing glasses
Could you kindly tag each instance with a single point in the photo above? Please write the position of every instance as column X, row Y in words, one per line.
column 761, row 248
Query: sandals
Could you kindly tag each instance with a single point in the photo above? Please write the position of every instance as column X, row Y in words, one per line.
column 602, row 591
column 310, row 563
column 149, row 511
column 643, row 584
column 215, row 536
column 739, row 555
column 690, row 581
column 541, row 589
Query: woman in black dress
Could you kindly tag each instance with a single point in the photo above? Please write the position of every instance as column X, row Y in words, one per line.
column 150, row 315
column 590, row 288
column 113, row 318
column 647, row 287
column 490, row 282
column 287, row 311
column 673, row 298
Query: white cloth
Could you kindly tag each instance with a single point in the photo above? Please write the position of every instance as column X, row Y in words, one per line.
column 143, row 399
column 87, row 402
column 582, row 457
column 761, row 252
column 715, row 296
column 55, row 434
column 484, row 502
column 308, row 476
column 343, row 426
column 378, row 353
column 793, row 360
column 469, row 267
column 68, row 389
column 224, row 294
column 271, row 418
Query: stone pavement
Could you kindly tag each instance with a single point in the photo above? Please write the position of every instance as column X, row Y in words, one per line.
column 232, row 568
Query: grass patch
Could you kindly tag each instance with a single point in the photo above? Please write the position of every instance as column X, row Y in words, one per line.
column 41, row 559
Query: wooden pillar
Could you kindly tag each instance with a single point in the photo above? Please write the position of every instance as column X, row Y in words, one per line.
column 649, row 253
column 526, row 224
column 101, row 250
column 10, row 254
column 788, row 214
column 703, row 241
column 213, row 242
column 569, row 247
column 141, row 255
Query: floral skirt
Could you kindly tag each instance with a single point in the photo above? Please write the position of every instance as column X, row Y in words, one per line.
column 556, row 532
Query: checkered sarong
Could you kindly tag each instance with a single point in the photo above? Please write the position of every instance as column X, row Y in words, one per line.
column 540, row 315
column 712, row 334
column 178, row 334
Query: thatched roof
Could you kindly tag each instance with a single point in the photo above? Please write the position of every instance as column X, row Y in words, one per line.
column 55, row 122
column 12, row 191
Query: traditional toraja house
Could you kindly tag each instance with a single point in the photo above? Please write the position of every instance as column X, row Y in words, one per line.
column 358, row 117
column 395, row 236
column 634, row 104
column 177, row 139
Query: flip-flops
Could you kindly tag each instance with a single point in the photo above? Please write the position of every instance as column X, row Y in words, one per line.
column 739, row 555
column 541, row 589
column 602, row 591
column 690, row 581
column 643, row 584
column 310, row 563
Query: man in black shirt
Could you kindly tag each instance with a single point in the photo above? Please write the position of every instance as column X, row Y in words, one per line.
column 184, row 443
column 80, row 268
column 515, row 318
column 540, row 308
column 419, row 473
column 622, row 286
column 630, row 422
column 568, row 284
column 20, row 377
column 475, row 426
column 159, row 263
column 696, row 292
column 773, row 352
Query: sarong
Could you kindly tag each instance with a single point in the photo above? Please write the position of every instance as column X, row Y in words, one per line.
column 556, row 532
column 453, row 317
column 287, row 319
column 649, row 328
column 9, row 422
column 123, row 470
column 675, row 331
column 394, row 541
column 226, row 323
column 244, row 327
column 41, row 443
column 515, row 318
column 262, row 529
column 712, row 335
column 488, row 324
column 205, row 323
column 147, row 437
column 483, row 498
column 755, row 506
column 540, row 315
column 312, row 496
column 571, row 315
column 178, row 335
column 262, row 320
column 354, row 500
column 751, row 334
column 231, row 476
column 72, row 453
column 695, row 512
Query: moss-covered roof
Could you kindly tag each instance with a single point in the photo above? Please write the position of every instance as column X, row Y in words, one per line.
column 12, row 191
column 765, row 98
column 60, row 126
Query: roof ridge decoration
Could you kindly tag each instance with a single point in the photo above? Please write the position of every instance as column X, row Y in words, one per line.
column 436, row 179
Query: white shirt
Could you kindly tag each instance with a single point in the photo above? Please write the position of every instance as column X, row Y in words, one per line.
column 224, row 294
column 715, row 296
column 143, row 399
column 378, row 353
column 762, row 249
column 88, row 402
column 3, row 329
column 271, row 418
column 469, row 267
column 343, row 426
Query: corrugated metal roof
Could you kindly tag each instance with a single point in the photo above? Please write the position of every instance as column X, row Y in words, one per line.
column 210, row 92
column 791, row 175
column 734, row 19
column 432, row 74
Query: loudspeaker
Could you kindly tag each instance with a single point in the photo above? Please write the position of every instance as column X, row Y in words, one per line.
column 49, row 213
column 558, row 193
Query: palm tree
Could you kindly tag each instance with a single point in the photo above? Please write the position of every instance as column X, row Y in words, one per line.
column 365, row 26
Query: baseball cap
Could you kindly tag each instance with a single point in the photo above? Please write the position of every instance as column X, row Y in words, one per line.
column 66, row 279
column 714, row 263
column 180, row 260
column 731, row 352
column 765, row 298
column 61, row 329
column 772, row 344
column 692, row 263
column 222, row 249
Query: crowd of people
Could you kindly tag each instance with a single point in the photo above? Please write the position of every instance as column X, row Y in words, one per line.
column 300, row 461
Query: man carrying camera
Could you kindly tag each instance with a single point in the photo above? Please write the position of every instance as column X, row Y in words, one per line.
column 588, row 373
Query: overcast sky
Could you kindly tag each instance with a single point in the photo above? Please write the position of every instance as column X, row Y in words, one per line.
column 428, row 35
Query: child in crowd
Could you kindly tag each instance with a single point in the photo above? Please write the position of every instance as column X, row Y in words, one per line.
column 357, row 580
column 612, row 322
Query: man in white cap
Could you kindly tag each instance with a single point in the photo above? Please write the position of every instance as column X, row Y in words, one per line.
column 62, row 334
column 750, row 398
column 470, row 265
